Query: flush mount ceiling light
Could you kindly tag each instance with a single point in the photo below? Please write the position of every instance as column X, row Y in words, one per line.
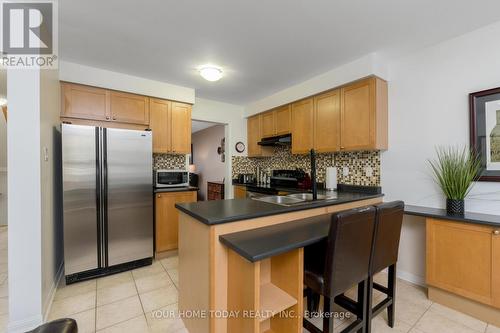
column 210, row 73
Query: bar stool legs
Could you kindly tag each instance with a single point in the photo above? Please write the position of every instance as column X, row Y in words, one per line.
column 389, row 302
column 391, row 286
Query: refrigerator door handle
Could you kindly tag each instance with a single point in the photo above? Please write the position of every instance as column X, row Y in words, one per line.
column 104, row 160
column 98, row 194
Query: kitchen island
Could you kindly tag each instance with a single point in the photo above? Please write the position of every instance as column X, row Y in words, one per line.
column 214, row 278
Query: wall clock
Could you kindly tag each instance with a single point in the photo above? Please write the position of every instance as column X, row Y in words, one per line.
column 240, row 147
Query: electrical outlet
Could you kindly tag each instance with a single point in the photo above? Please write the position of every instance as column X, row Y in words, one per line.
column 369, row 171
column 345, row 171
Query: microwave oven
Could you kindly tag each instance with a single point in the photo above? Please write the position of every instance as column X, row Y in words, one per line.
column 171, row 178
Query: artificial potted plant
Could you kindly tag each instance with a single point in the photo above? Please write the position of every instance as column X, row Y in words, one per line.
column 455, row 171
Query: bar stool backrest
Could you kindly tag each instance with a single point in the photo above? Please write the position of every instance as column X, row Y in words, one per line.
column 349, row 249
column 387, row 234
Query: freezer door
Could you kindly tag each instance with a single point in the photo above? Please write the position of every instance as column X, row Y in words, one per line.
column 129, row 200
column 79, row 144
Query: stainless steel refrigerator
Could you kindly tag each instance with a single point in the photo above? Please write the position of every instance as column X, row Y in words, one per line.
column 107, row 199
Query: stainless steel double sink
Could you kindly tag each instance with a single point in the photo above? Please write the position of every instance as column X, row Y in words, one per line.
column 293, row 199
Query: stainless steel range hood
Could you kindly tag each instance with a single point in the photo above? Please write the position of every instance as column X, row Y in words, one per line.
column 285, row 139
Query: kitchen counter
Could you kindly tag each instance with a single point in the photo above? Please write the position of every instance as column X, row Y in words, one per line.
column 469, row 217
column 211, row 270
column 224, row 211
column 176, row 189
column 263, row 243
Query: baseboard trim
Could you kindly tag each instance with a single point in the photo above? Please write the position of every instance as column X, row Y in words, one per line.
column 48, row 304
column 415, row 279
column 24, row 325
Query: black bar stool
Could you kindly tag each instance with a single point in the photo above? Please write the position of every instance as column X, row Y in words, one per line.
column 385, row 255
column 65, row 325
column 348, row 252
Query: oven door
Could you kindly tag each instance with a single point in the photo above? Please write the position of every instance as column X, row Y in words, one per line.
column 172, row 178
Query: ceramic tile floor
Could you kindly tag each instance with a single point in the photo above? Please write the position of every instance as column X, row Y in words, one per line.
column 129, row 302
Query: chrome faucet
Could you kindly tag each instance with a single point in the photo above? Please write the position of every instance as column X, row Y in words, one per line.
column 313, row 175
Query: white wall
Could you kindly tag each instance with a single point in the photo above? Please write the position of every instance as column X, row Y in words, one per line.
column 357, row 69
column 3, row 152
column 236, row 130
column 428, row 106
column 3, row 170
column 209, row 166
column 51, row 186
column 24, row 202
column 92, row 76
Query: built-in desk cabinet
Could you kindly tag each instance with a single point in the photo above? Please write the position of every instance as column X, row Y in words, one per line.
column 167, row 218
column 464, row 259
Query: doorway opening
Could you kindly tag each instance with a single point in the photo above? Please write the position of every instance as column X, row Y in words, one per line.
column 208, row 159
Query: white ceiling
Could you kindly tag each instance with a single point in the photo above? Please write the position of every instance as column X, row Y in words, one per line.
column 264, row 46
column 197, row 125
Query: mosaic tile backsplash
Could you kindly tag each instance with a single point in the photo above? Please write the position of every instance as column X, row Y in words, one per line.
column 357, row 162
column 168, row 161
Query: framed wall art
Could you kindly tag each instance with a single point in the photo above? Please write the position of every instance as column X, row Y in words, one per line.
column 485, row 131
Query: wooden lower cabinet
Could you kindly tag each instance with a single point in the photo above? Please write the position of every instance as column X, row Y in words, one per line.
column 215, row 190
column 464, row 259
column 167, row 218
column 240, row 192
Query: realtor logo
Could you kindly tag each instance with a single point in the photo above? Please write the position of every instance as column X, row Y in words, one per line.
column 28, row 34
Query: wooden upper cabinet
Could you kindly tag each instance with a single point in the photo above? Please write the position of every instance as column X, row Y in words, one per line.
column 302, row 126
column 84, row 102
column 268, row 124
column 364, row 115
column 160, row 125
column 254, row 135
column 181, row 128
column 283, row 119
column 129, row 108
column 327, row 121
column 464, row 259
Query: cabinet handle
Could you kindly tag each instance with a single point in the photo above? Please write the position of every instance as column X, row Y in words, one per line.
column 342, row 147
column 159, row 195
column 114, row 118
column 107, row 118
column 496, row 232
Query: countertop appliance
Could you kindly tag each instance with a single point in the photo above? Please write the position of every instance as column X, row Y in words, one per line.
column 107, row 199
column 246, row 178
column 171, row 178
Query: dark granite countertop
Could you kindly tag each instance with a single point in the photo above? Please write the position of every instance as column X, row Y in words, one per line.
column 470, row 217
column 224, row 211
column 175, row 189
column 262, row 243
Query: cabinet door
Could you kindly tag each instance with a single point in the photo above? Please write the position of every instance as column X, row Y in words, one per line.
column 167, row 218
column 240, row 192
column 495, row 269
column 268, row 124
column 84, row 102
column 459, row 259
column 160, row 125
column 181, row 128
column 358, row 116
column 254, row 135
column 327, row 122
column 302, row 126
column 283, row 119
column 129, row 108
